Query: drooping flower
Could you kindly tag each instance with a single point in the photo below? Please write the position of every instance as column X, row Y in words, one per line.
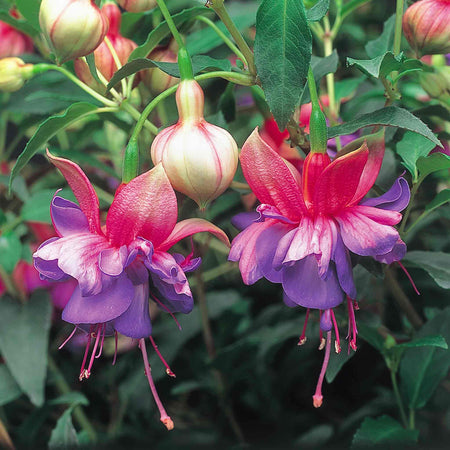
column 119, row 265
column 306, row 227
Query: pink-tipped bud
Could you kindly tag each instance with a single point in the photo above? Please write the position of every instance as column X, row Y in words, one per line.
column 72, row 28
column 426, row 26
column 199, row 158
column 12, row 41
column 13, row 74
column 104, row 59
column 155, row 79
column 137, row 5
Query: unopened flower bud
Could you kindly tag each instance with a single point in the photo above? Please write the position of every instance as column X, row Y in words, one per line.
column 155, row 79
column 137, row 5
column 426, row 26
column 13, row 74
column 104, row 59
column 199, row 158
column 72, row 28
column 12, row 41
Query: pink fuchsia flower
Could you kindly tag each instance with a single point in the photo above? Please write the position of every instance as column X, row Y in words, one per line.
column 119, row 265
column 306, row 228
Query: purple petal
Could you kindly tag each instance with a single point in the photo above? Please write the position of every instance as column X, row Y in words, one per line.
column 188, row 264
column 289, row 302
column 172, row 300
column 271, row 212
column 396, row 254
column 112, row 260
column 48, row 269
column 395, row 199
column 100, row 308
column 67, row 217
column 137, row 273
column 135, row 321
column 245, row 219
column 341, row 258
column 306, row 288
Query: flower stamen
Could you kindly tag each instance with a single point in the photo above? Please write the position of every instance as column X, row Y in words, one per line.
column 409, row 277
column 68, row 339
column 318, row 397
column 352, row 330
column 337, row 343
column 88, row 344
column 302, row 339
column 168, row 369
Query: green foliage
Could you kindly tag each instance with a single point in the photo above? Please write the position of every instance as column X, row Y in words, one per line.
column 10, row 251
column 317, row 11
column 437, row 264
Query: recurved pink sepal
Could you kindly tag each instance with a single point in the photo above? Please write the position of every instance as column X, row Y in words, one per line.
column 145, row 207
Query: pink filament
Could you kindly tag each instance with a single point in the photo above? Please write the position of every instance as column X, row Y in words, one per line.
column 88, row 344
column 302, row 338
column 165, row 419
column 351, row 325
column 336, row 332
column 317, row 397
column 68, row 339
column 98, row 332
column 168, row 369
column 409, row 277
column 166, row 309
column 103, row 331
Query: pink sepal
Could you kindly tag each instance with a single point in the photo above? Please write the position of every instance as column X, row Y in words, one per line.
column 82, row 188
column 146, row 207
column 189, row 227
column 270, row 178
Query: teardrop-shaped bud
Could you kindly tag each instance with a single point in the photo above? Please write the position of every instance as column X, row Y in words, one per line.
column 199, row 158
column 137, row 5
column 72, row 28
column 426, row 26
column 13, row 74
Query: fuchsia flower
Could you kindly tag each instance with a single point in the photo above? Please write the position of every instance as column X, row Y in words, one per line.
column 306, row 228
column 118, row 265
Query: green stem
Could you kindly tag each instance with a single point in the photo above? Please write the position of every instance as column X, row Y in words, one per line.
column 312, row 88
column 398, row 398
column 398, row 27
column 135, row 114
column 173, row 29
column 63, row 388
column 3, row 125
column 328, row 50
column 117, row 62
column 412, row 419
column 220, row 10
column 224, row 37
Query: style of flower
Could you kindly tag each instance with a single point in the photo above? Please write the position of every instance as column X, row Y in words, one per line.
column 119, row 265
column 307, row 226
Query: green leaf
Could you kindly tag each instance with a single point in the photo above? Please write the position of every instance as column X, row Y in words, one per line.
column 162, row 31
column 411, row 148
column 437, row 264
column 200, row 63
column 47, row 130
column 64, row 436
column 350, row 6
column 422, row 369
column 9, row 389
column 10, row 250
column 24, row 331
column 432, row 163
column 282, row 54
column 20, row 25
column 72, row 398
column 391, row 116
column 440, row 199
column 30, row 10
column 427, row 341
column 384, row 42
column 347, row 87
column 371, row 335
column 227, row 103
column 318, row 11
column 337, row 361
column 383, row 430
column 90, row 59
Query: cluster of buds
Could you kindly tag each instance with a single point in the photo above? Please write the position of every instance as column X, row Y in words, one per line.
column 12, row 41
column 137, row 5
column 425, row 25
column 199, row 158
column 72, row 28
column 104, row 59
column 13, row 74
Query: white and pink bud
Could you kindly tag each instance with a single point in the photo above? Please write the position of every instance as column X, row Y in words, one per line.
column 12, row 41
column 72, row 28
column 426, row 26
column 155, row 79
column 137, row 5
column 104, row 59
column 13, row 74
column 199, row 158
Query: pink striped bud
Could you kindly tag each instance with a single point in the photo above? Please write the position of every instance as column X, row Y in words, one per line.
column 104, row 60
column 137, row 5
column 155, row 79
column 12, row 41
column 13, row 74
column 426, row 26
column 199, row 158
column 72, row 28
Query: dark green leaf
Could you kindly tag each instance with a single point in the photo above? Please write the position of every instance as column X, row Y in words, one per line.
column 371, row 335
column 70, row 398
column 282, row 55
column 24, row 333
column 318, row 11
column 383, row 430
column 440, row 199
column 64, row 436
column 437, row 264
column 47, row 130
column 30, row 10
column 411, row 148
column 391, row 116
column 162, row 31
column 20, row 25
column 422, row 369
column 10, row 250
column 227, row 103
column 90, row 59
column 384, row 42
column 337, row 361
column 427, row 341
column 432, row 163
column 9, row 389
column 199, row 64
column 350, row 6
column 345, row 88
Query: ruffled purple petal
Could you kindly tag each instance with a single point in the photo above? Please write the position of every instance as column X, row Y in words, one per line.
column 395, row 199
column 100, row 308
column 112, row 260
column 188, row 264
column 67, row 217
column 396, row 254
column 169, row 298
column 244, row 220
column 135, row 321
column 48, row 269
column 306, row 288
